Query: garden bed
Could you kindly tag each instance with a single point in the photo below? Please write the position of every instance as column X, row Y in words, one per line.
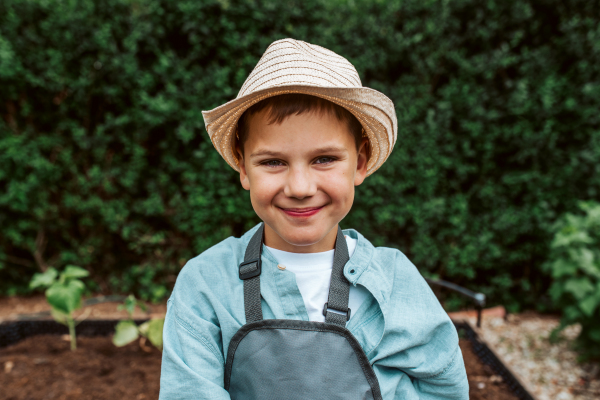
column 43, row 367
column 34, row 366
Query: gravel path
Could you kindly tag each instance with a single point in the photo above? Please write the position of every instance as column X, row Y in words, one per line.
column 550, row 370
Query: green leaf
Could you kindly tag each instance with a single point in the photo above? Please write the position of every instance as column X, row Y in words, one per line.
column 562, row 267
column 143, row 328
column 589, row 304
column 44, row 279
column 72, row 271
column 143, row 306
column 125, row 333
column 570, row 237
column 129, row 304
column 585, row 259
column 154, row 332
column 65, row 296
column 594, row 333
column 571, row 314
column 59, row 316
column 556, row 291
column 579, row 287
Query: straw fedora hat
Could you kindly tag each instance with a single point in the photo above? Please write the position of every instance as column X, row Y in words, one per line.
column 293, row 66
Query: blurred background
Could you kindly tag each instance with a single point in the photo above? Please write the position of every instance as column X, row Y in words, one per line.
column 493, row 184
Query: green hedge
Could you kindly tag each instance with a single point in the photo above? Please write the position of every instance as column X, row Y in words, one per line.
column 105, row 163
column 575, row 267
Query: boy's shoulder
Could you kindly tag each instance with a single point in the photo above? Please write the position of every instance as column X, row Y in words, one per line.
column 389, row 274
column 387, row 261
column 219, row 262
column 405, row 298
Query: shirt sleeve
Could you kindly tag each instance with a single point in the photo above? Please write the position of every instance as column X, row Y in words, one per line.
column 419, row 356
column 192, row 364
column 441, row 373
column 451, row 383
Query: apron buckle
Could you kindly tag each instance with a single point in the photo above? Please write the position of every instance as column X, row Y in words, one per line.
column 326, row 308
column 250, row 269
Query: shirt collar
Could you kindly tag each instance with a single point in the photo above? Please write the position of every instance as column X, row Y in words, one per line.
column 361, row 258
column 364, row 274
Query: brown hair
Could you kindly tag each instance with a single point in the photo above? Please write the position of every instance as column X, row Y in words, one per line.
column 282, row 106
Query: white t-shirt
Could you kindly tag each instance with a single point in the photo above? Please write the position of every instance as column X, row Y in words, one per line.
column 313, row 275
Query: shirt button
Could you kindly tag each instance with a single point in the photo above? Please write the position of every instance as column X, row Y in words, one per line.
column 281, row 266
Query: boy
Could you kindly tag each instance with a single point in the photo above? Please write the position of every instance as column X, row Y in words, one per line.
column 294, row 309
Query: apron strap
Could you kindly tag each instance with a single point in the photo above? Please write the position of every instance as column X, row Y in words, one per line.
column 336, row 309
column 250, row 273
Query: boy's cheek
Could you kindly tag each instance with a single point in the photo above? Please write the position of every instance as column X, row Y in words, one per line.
column 265, row 186
column 338, row 184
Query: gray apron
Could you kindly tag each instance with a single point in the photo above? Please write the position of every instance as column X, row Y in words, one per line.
column 289, row 359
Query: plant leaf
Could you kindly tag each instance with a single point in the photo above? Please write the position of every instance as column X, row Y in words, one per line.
column 129, row 304
column 65, row 297
column 125, row 333
column 556, row 290
column 579, row 287
column 143, row 328
column 585, row 259
column 589, row 304
column 594, row 333
column 568, row 237
column 73, row 272
column 571, row 314
column 59, row 316
column 562, row 267
column 44, row 279
column 142, row 306
column 155, row 332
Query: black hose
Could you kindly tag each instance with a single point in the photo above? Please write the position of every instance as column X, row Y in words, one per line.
column 478, row 298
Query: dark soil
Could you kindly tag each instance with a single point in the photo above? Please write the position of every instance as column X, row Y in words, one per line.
column 484, row 384
column 43, row 367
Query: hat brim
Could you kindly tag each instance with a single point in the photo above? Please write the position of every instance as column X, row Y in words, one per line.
column 374, row 110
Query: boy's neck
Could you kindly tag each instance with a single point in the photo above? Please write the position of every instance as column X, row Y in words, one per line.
column 273, row 240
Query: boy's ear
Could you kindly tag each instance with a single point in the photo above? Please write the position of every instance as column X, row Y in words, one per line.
column 362, row 161
column 243, row 173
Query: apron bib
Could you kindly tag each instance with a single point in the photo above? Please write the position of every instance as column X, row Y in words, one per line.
column 289, row 359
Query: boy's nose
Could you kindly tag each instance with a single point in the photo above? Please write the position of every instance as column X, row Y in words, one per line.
column 299, row 184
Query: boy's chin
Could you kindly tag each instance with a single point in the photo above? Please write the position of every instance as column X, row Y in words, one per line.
column 302, row 241
column 303, row 238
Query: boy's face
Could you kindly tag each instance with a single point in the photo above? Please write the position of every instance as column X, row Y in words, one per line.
column 301, row 176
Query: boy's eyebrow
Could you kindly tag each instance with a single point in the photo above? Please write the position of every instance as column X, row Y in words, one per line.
column 271, row 153
column 264, row 152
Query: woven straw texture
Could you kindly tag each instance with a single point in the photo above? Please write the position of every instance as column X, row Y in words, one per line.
column 293, row 66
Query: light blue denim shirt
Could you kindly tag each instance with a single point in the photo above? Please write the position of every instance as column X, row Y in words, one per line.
column 406, row 335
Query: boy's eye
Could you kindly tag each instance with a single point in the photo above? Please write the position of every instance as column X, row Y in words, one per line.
column 324, row 160
column 272, row 163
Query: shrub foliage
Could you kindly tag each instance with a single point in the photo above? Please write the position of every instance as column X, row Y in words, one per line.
column 575, row 267
column 105, row 162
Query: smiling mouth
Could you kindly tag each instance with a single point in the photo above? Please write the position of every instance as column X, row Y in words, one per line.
column 301, row 212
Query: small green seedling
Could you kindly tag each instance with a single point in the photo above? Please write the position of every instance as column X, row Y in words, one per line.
column 127, row 331
column 63, row 293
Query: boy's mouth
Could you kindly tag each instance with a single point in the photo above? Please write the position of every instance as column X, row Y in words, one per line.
column 301, row 212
